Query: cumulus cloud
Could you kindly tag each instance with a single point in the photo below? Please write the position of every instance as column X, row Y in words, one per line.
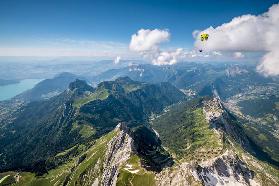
column 238, row 55
column 270, row 64
column 168, row 57
column 147, row 43
column 117, row 60
column 146, row 40
column 247, row 33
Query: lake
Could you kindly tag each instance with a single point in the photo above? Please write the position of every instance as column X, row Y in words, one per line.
column 9, row 91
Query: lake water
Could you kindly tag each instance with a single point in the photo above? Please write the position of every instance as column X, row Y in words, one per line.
column 9, row 91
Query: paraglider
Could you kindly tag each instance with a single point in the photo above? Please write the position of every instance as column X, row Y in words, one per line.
column 204, row 37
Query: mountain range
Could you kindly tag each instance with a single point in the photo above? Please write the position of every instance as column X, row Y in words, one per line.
column 186, row 124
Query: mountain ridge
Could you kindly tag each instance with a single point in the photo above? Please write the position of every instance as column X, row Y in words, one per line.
column 62, row 124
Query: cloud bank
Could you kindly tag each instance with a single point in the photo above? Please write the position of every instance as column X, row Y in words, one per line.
column 147, row 43
column 168, row 57
column 247, row 33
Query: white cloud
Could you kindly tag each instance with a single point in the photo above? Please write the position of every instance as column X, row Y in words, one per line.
column 117, row 60
column 247, row 33
column 168, row 57
column 146, row 40
column 147, row 43
column 270, row 64
column 238, row 55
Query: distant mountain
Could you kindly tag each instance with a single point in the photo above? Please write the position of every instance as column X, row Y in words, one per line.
column 234, row 82
column 188, row 76
column 144, row 73
column 34, row 69
column 44, row 90
column 79, row 115
column 229, row 79
column 47, row 88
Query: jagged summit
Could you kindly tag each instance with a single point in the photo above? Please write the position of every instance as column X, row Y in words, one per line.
column 80, row 86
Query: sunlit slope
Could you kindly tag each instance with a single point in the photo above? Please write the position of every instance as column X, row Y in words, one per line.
column 202, row 136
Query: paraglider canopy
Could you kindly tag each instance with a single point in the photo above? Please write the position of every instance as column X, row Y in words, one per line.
column 204, row 37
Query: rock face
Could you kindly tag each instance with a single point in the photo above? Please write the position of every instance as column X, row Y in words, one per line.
column 118, row 152
column 179, row 175
column 224, row 123
column 224, row 169
column 227, row 169
column 212, row 110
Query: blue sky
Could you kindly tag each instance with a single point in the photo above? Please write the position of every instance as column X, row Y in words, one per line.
column 85, row 25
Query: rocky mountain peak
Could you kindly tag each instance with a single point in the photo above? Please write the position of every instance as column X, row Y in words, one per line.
column 119, row 150
column 80, row 86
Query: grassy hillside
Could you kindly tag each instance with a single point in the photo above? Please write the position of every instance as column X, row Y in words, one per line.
column 72, row 172
column 185, row 132
column 133, row 174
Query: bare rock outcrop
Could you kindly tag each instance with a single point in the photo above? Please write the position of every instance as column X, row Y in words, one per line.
column 118, row 152
column 226, row 169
